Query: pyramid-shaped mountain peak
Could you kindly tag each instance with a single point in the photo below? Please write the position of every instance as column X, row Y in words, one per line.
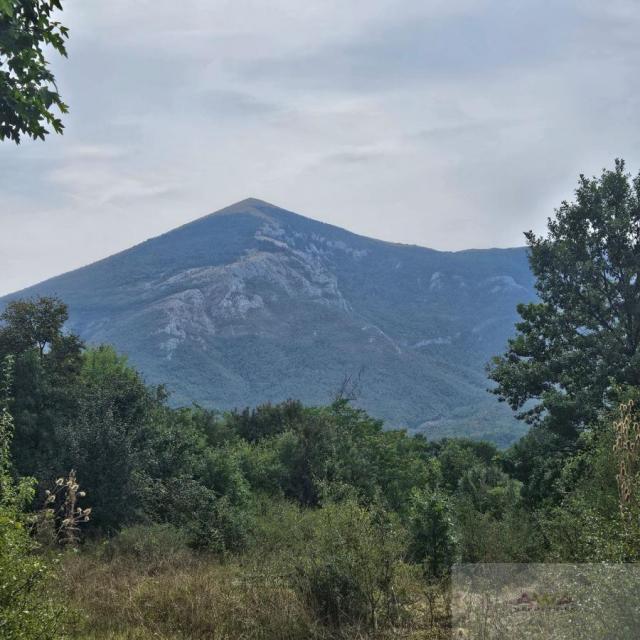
column 253, row 206
column 254, row 304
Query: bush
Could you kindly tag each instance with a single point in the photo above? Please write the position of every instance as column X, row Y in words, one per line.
column 348, row 574
column 212, row 523
column 432, row 540
column 27, row 608
column 220, row 528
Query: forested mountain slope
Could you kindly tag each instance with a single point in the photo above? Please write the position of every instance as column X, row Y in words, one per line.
column 254, row 303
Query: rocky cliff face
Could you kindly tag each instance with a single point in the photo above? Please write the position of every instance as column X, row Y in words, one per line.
column 254, row 304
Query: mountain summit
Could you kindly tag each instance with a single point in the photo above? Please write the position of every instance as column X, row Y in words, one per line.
column 254, row 303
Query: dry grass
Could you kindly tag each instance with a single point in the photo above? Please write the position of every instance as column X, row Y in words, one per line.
column 190, row 599
column 197, row 598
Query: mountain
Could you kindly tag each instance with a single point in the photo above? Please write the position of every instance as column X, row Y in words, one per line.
column 254, row 303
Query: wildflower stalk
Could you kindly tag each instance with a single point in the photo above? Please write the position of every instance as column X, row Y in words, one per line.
column 62, row 512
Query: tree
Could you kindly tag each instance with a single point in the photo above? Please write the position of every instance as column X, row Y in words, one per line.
column 111, row 438
column 583, row 336
column 27, row 609
column 29, row 324
column 29, row 96
column 456, row 456
column 46, row 372
column 432, row 541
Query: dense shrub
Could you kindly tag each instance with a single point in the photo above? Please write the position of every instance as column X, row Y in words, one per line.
column 29, row 610
column 349, row 572
column 432, row 541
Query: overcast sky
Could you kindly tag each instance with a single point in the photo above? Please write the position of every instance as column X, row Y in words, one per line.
column 450, row 124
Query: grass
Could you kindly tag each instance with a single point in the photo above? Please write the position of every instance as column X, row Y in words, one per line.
column 189, row 596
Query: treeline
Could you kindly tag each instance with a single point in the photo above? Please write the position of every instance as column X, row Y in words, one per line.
column 141, row 461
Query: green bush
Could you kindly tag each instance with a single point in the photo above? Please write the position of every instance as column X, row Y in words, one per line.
column 211, row 522
column 27, row 608
column 221, row 527
column 348, row 573
column 432, row 542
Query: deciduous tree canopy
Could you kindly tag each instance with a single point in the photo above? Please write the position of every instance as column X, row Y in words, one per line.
column 583, row 336
column 29, row 98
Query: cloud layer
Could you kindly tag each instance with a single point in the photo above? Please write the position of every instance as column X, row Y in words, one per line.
column 447, row 124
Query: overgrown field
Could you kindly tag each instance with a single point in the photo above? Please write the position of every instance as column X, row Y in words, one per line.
column 321, row 576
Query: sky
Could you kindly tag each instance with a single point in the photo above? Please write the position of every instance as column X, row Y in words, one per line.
column 448, row 124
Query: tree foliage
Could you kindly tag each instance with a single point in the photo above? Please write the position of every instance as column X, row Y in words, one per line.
column 28, row 324
column 584, row 334
column 432, row 543
column 27, row 608
column 348, row 572
column 29, row 98
column 45, row 381
column 581, row 341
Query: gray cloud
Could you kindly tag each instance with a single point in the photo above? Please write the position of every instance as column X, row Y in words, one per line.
column 486, row 40
column 448, row 124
